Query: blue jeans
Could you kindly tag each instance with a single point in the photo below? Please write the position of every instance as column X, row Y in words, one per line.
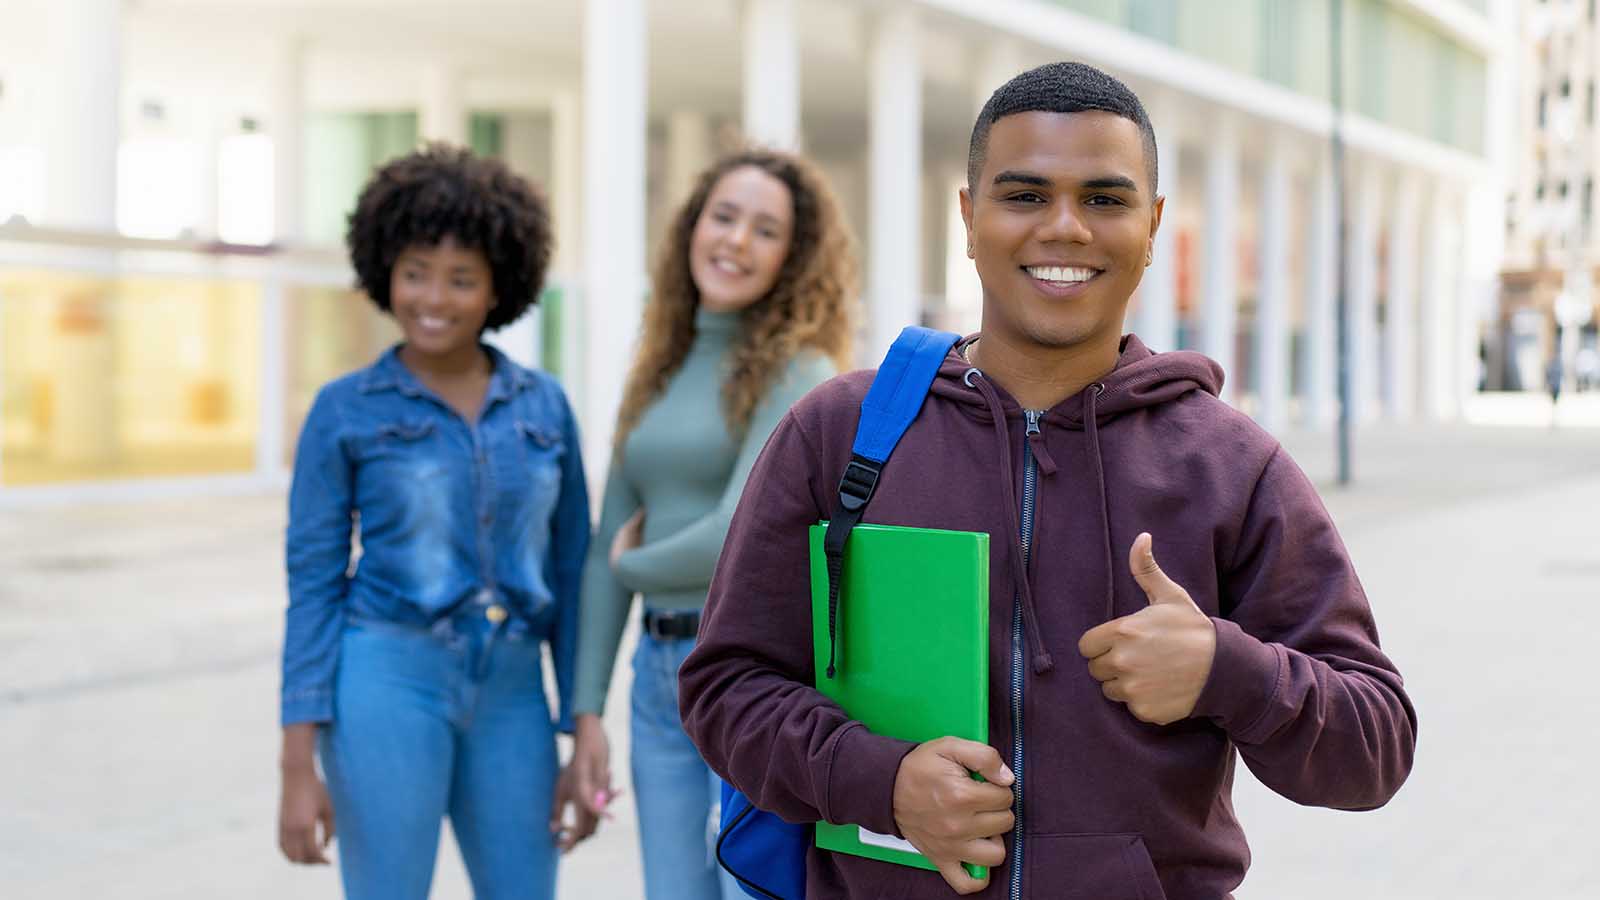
column 677, row 794
column 428, row 724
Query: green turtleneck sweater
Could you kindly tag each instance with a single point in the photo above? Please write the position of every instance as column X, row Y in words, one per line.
column 686, row 470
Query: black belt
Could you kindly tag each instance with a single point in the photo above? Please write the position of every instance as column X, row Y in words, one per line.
column 671, row 625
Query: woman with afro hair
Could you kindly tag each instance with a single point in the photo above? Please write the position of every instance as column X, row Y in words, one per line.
column 750, row 309
column 412, row 670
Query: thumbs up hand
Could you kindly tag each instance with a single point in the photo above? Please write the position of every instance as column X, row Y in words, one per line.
column 1157, row 660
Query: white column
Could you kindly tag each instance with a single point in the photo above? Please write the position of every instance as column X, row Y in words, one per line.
column 1363, row 287
column 1156, row 318
column 894, row 296
column 566, row 203
column 443, row 111
column 1272, row 301
column 1473, row 288
column 1399, row 334
column 1220, row 310
column 1319, row 365
column 287, row 126
column 771, row 74
column 689, row 152
column 566, row 187
column 614, row 161
column 84, row 113
column 998, row 62
column 1438, row 315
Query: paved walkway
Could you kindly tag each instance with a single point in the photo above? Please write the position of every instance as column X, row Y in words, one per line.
column 138, row 687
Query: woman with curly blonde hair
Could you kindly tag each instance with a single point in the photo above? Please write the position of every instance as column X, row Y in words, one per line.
column 751, row 308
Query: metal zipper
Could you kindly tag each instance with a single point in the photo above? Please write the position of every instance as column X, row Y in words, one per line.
column 1030, row 479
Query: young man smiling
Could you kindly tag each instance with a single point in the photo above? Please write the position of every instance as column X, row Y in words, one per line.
column 1121, row 689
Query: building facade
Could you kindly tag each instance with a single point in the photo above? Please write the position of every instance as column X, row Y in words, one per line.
column 176, row 173
column 1553, row 249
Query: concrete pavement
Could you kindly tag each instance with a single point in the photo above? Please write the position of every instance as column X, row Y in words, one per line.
column 138, row 679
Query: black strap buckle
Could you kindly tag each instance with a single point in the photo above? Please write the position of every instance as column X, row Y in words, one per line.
column 859, row 481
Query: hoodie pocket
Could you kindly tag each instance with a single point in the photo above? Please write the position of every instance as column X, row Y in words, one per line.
column 1090, row 867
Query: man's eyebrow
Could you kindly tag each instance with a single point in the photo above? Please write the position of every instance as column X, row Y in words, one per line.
column 1105, row 182
column 1014, row 177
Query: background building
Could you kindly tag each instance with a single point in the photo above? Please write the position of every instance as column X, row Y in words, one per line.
column 1552, row 247
column 176, row 173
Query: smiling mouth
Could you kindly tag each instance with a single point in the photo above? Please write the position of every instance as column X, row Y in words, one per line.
column 432, row 323
column 1061, row 276
column 728, row 267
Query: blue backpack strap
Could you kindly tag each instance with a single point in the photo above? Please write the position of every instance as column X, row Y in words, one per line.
column 891, row 404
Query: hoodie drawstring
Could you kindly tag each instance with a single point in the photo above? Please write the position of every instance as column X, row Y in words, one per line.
column 1092, row 432
column 1042, row 661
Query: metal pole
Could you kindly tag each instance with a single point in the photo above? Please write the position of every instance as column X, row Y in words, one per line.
column 1341, row 292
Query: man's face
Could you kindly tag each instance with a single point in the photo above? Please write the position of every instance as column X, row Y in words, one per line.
column 1061, row 225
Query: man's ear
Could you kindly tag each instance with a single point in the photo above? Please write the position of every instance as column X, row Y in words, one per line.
column 965, row 195
column 1155, row 225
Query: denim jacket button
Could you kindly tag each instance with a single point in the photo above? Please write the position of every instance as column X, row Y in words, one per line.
column 495, row 614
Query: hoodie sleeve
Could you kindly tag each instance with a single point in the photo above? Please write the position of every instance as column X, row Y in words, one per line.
column 1318, row 712
column 746, row 694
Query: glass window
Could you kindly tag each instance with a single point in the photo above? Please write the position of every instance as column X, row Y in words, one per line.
column 158, row 195
column 245, row 181
column 328, row 332
column 126, row 377
column 342, row 149
column 21, row 182
column 1156, row 19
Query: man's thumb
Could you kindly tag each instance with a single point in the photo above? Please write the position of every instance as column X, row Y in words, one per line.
column 980, row 758
column 1157, row 586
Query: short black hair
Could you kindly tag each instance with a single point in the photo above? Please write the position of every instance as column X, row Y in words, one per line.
column 441, row 191
column 1060, row 87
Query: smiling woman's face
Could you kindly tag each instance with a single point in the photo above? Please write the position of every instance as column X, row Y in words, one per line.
column 741, row 239
column 441, row 296
column 1060, row 225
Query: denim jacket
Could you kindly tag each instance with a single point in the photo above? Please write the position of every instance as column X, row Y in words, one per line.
column 448, row 513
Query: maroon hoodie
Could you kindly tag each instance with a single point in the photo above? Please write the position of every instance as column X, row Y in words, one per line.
column 1109, row 807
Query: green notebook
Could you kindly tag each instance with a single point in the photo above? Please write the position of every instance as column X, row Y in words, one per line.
column 912, row 648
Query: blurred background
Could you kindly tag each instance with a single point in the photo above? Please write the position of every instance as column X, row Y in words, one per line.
column 174, row 181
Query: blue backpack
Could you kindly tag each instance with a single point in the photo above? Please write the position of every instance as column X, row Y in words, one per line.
column 765, row 854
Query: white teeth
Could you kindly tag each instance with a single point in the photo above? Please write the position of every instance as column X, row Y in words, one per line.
column 431, row 322
column 727, row 266
column 1064, row 274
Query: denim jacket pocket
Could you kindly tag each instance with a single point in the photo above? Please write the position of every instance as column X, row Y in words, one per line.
column 389, row 440
column 527, row 471
column 1091, row 867
column 539, row 454
column 403, row 450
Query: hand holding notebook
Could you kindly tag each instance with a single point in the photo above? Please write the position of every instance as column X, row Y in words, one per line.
column 946, row 814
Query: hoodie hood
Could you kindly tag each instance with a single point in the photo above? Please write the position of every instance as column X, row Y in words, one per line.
column 1142, row 378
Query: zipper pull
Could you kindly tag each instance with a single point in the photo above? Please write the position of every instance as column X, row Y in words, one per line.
column 1047, row 465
